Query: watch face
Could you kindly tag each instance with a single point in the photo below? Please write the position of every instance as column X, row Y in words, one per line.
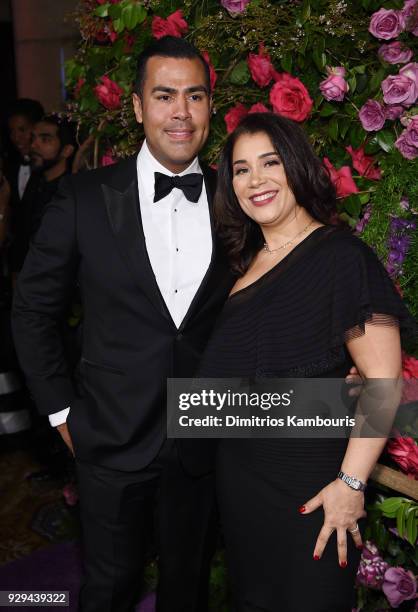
column 355, row 484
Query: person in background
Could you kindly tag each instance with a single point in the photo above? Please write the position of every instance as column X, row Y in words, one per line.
column 52, row 149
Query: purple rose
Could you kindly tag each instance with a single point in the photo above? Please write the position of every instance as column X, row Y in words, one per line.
column 404, row 146
column 372, row 116
column 399, row 585
column 411, row 133
column 395, row 53
column 410, row 15
column 234, row 7
column 411, row 71
column 393, row 111
column 334, row 87
column 399, row 89
column 387, row 24
column 372, row 567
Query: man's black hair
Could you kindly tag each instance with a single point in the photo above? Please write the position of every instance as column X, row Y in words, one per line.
column 168, row 46
column 25, row 107
column 66, row 130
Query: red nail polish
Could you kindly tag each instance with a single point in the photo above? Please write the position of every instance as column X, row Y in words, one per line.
column 302, row 509
column 316, row 557
column 343, row 564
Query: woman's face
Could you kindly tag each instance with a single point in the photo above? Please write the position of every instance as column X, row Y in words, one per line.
column 259, row 181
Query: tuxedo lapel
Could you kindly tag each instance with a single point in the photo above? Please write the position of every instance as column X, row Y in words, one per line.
column 207, row 284
column 122, row 203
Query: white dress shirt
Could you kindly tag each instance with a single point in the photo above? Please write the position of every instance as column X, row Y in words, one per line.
column 22, row 179
column 178, row 239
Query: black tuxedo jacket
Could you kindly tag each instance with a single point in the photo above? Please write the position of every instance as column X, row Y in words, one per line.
column 91, row 233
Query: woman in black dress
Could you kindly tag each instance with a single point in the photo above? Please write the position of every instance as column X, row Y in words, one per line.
column 310, row 300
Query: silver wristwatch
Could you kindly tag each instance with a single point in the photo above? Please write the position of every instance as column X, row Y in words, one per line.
column 352, row 482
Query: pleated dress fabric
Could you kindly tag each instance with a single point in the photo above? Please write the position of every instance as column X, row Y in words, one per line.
column 293, row 322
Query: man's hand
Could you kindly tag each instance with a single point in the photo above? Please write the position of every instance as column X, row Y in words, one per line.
column 65, row 435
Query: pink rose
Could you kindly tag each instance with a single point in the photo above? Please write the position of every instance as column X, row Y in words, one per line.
column 399, row 89
column 212, row 72
column 108, row 93
column 70, row 494
column 234, row 7
column 260, row 66
column 405, row 452
column 174, row 25
column 364, row 163
column 411, row 71
column 372, row 116
column 404, row 146
column 334, row 87
column 258, row 108
column 386, row 24
column 342, row 179
column 290, row 98
column 412, row 131
column 399, row 585
column 395, row 53
column 234, row 116
column 410, row 15
column 107, row 158
column 393, row 111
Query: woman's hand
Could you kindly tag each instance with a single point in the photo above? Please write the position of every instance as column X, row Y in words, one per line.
column 343, row 507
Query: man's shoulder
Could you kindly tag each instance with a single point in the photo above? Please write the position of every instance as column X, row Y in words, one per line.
column 116, row 174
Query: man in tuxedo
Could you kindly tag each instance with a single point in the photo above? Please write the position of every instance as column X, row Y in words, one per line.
column 138, row 238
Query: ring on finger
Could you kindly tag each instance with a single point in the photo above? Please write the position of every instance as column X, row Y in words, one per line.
column 355, row 530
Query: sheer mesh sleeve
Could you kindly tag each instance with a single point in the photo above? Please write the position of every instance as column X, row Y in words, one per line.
column 364, row 293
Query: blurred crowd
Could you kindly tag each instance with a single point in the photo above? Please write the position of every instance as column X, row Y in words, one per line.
column 36, row 150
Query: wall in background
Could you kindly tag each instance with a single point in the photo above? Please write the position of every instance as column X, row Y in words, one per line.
column 45, row 35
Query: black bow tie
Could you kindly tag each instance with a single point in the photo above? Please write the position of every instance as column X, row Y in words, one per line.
column 190, row 184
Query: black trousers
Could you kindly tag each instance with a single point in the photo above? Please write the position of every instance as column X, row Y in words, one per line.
column 116, row 510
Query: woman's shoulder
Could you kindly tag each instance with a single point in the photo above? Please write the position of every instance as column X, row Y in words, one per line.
column 341, row 242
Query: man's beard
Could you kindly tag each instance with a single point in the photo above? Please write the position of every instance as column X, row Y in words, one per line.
column 46, row 164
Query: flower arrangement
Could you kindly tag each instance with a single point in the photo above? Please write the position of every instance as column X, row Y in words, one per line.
column 346, row 71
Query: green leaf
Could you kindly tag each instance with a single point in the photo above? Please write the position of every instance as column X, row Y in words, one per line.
column 132, row 15
column 364, row 198
column 390, row 505
column 352, row 204
column 362, row 83
column 376, row 80
column 357, row 135
column 333, row 129
column 240, row 74
column 359, row 69
column 343, row 129
column 102, row 10
column 115, row 11
column 412, row 526
column 327, row 110
column 372, row 147
column 352, row 82
column 118, row 25
column 400, row 520
column 319, row 58
column 385, row 140
column 306, row 11
column 286, row 62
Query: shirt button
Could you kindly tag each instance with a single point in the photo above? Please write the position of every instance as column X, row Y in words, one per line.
column 175, row 210
column 175, row 291
column 177, row 250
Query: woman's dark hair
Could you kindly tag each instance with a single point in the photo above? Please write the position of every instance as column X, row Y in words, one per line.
column 168, row 46
column 306, row 175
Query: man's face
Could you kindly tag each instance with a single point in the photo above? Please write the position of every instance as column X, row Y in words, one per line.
column 20, row 130
column 175, row 109
column 46, row 146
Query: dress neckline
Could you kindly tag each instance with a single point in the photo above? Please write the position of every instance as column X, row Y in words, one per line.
column 279, row 263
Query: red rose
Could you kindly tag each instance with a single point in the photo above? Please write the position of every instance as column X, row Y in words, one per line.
column 234, row 116
column 260, row 66
column 342, row 179
column 107, row 158
column 409, row 366
column 290, row 98
column 108, row 93
column 405, row 452
column 174, row 25
column 258, row 108
column 410, row 379
column 78, row 87
column 213, row 75
column 364, row 163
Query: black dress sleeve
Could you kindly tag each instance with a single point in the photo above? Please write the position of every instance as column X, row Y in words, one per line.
column 363, row 293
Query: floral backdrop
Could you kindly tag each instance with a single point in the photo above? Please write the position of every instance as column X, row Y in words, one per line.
column 347, row 71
